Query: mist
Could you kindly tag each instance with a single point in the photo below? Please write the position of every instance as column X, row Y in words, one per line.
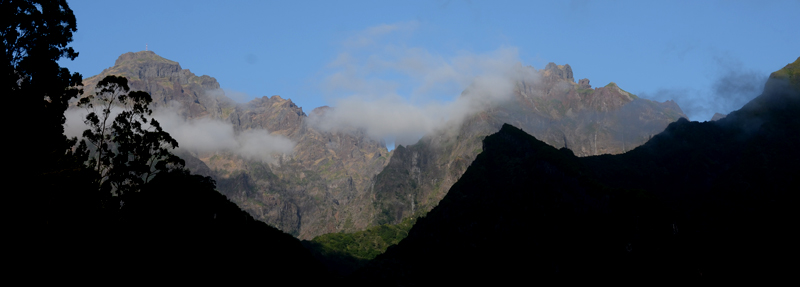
column 734, row 87
column 203, row 135
column 401, row 93
column 229, row 96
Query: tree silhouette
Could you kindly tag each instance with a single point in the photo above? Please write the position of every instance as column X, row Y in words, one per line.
column 128, row 152
column 35, row 35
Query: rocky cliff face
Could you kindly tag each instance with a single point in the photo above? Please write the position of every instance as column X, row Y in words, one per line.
column 323, row 186
column 553, row 108
column 166, row 82
column 336, row 181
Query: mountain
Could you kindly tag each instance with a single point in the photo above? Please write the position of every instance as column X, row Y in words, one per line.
column 552, row 107
column 341, row 180
column 322, row 187
column 166, row 82
column 698, row 202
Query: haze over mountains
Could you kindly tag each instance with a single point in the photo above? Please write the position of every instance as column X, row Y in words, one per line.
column 310, row 174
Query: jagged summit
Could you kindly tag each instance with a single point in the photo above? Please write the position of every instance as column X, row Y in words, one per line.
column 166, row 82
column 558, row 71
column 147, row 65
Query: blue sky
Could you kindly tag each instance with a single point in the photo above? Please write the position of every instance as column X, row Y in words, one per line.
column 690, row 51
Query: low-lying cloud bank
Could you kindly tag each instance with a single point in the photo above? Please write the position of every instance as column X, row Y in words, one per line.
column 211, row 135
column 397, row 92
column 204, row 135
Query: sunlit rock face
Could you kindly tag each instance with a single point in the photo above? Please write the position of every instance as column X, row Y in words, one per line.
column 322, row 185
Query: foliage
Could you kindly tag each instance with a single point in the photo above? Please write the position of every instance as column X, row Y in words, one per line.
column 369, row 243
column 585, row 91
column 343, row 253
column 36, row 35
column 177, row 219
column 128, row 152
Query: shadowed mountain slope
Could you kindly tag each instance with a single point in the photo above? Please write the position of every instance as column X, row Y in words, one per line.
column 177, row 227
column 699, row 201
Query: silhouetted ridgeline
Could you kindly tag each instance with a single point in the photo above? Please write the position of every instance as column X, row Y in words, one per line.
column 700, row 201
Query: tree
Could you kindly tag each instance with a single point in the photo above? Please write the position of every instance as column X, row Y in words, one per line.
column 128, row 152
column 36, row 35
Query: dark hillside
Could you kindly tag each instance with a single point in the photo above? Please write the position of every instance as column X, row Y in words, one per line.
column 700, row 201
column 178, row 227
column 525, row 210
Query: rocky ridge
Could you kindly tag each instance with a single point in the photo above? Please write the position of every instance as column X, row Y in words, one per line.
column 552, row 107
column 321, row 187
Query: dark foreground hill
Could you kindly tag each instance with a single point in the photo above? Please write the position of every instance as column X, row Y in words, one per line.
column 178, row 228
column 700, row 201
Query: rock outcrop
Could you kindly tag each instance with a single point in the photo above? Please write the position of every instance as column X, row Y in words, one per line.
column 584, row 84
column 558, row 72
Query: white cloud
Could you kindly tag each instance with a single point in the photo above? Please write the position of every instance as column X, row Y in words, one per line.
column 203, row 135
column 371, row 35
column 74, row 125
column 211, row 135
column 395, row 91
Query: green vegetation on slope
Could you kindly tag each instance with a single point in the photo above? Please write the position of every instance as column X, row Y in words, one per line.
column 366, row 244
column 791, row 72
column 343, row 253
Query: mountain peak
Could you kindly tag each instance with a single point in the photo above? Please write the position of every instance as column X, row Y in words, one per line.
column 164, row 80
column 142, row 56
